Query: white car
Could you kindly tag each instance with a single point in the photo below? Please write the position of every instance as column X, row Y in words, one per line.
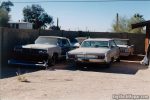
column 96, row 50
column 126, row 49
column 44, row 52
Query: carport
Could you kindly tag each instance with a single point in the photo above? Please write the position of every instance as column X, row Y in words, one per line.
column 143, row 24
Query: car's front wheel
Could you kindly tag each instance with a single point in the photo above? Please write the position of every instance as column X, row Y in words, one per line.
column 108, row 65
column 52, row 60
column 118, row 59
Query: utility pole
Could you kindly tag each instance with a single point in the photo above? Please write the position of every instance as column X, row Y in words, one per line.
column 57, row 23
column 117, row 22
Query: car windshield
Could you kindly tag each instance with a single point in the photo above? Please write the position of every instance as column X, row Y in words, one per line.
column 95, row 44
column 122, row 42
column 46, row 40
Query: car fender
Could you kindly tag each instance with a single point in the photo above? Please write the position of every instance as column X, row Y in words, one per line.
column 53, row 50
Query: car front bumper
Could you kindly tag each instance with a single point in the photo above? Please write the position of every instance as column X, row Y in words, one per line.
column 99, row 61
column 27, row 63
column 125, row 53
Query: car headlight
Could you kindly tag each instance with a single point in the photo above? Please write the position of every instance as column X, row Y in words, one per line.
column 42, row 51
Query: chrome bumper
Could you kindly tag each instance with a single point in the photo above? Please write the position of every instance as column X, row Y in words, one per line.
column 26, row 63
column 101, row 61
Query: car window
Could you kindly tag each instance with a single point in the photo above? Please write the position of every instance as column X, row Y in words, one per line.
column 65, row 42
column 112, row 44
column 46, row 40
column 95, row 44
column 73, row 40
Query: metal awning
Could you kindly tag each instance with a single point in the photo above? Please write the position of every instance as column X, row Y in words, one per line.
column 141, row 24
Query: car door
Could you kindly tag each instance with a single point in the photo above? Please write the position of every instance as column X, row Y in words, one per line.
column 114, row 49
column 65, row 46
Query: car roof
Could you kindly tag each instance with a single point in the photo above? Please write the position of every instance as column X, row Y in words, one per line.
column 98, row 39
column 57, row 37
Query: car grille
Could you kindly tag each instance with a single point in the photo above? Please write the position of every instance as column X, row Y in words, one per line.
column 123, row 50
column 29, row 55
column 85, row 56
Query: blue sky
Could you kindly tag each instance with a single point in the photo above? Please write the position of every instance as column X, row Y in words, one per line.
column 94, row 16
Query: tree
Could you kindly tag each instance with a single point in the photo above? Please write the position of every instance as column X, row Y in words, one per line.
column 36, row 15
column 4, row 10
column 123, row 24
column 6, row 5
column 4, row 18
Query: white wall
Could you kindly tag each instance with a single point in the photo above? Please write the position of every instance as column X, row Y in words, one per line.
column 25, row 26
column 22, row 25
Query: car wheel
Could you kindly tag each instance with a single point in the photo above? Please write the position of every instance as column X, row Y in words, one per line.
column 72, row 64
column 78, row 66
column 108, row 65
column 52, row 60
column 118, row 59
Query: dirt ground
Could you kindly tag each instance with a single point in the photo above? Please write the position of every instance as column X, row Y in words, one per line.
column 96, row 83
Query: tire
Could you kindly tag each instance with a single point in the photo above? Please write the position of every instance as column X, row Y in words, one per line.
column 118, row 59
column 52, row 61
column 77, row 66
column 72, row 64
column 108, row 65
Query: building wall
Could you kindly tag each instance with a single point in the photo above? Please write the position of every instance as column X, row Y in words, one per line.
column 13, row 37
column 25, row 26
column 21, row 25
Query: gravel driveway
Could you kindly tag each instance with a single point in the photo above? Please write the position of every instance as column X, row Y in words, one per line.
column 89, row 84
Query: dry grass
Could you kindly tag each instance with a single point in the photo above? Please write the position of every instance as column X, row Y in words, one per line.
column 21, row 78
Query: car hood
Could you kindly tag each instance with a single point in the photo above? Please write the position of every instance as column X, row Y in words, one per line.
column 89, row 51
column 38, row 46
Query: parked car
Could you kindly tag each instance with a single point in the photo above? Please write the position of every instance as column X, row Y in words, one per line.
column 98, row 50
column 45, row 52
column 74, row 42
column 126, row 49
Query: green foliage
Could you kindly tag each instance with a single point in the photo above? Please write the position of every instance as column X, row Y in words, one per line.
column 36, row 15
column 124, row 24
column 6, row 5
column 4, row 18
column 4, row 10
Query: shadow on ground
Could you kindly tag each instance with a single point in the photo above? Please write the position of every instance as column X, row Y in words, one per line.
column 128, row 65
column 11, row 70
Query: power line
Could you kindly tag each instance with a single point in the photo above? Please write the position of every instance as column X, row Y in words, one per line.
column 76, row 1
